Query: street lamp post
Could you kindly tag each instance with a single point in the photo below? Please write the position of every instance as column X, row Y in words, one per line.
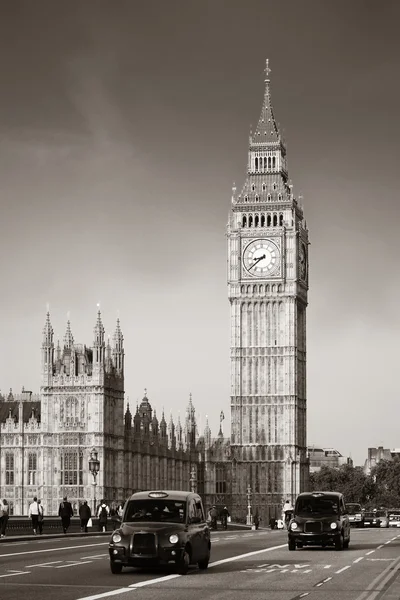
column 193, row 480
column 94, row 468
column 249, row 519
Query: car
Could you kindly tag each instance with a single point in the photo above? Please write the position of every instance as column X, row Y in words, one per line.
column 394, row 518
column 371, row 519
column 383, row 517
column 319, row 519
column 161, row 527
column 356, row 515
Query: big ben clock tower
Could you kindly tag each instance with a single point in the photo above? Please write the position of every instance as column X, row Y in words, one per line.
column 268, row 283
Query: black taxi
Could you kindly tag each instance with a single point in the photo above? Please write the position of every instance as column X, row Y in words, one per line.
column 319, row 518
column 160, row 527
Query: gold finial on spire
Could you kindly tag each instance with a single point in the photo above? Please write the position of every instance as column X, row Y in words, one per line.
column 267, row 69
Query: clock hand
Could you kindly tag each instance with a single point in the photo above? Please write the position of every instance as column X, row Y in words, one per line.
column 257, row 261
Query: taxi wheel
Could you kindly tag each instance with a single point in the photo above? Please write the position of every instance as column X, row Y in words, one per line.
column 339, row 543
column 346, row 543
column 292, row 545
column 184, row 562
column 116, row 568
column 203, row 564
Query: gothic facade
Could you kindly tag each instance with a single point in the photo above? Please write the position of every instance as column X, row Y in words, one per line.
column 268, row 284
column 46, row 440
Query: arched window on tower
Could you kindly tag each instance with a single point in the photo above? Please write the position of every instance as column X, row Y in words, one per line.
column 256, row 220
column 244, row 221
column 250, row 221
column 269, row 162
column 275, row 222
column 281, row 219
column 265, row 163
column 257, row 198
column 269, row 197
column 274, row 163
column 256, row 163
column 262, row 220
column 269, row 221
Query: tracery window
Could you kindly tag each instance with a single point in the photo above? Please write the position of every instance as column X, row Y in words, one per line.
column 32, row 468
column 71, row 467
column 220, row 479
column 9, row 468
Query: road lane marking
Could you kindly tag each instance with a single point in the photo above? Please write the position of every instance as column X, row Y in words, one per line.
column 16, row 573
column 327, row 566
column 358, row 559
column 343, row 569
column 42, row 550
column 54, row 562
column 95, row 556
column 73, row 564
column 379, row 547
column 232, row 558
column 370, row 552
column 380, row 581
column 327, row 579
column 162, row 579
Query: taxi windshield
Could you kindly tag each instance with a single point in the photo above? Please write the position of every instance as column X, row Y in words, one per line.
column 353, row 509
column 317, row 505
column 156, row 510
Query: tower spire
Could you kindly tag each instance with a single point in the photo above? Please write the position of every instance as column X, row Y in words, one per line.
column 267, row 130
column 68, row 337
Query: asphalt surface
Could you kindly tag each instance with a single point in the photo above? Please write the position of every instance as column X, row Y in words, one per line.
column 245, row 565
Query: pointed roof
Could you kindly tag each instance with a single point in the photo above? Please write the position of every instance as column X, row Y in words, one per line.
column 68, row 337
column 118, row 337
column 267, row 130
column 99, row 330
column 48, row 330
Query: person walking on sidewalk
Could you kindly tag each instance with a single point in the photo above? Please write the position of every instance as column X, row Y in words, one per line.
column 4, row 508
column 40, row 517
column 65, row 512
column 34, row 514
column 85, row 514
column 103, row 513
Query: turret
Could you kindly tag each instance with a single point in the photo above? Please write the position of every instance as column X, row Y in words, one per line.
column 47, row 351
column 99, row 343
column 118, row 349
column 190, row 425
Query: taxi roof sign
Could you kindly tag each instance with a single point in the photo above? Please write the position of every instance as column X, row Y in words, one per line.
column 158, row 495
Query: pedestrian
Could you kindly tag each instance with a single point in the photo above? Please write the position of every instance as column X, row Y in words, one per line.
column 85, row 514
column 212, row 517
column 4, row 514
column 65, row 512
column 34, row 514
column 256, row 520
column 103, row 513
column 287, row 513
column 224, row 517
column 115, row 519
column 40, row 517
column 120, row 510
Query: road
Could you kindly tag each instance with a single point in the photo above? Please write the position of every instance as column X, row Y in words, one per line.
column 245, row 565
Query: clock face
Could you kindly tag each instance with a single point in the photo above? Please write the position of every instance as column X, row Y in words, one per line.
column 303, row 261
column 261, row 258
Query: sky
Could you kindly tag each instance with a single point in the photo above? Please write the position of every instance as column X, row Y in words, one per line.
column 124, row 124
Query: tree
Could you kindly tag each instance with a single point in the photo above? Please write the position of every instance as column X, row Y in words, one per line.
column 386, row 476
column 350, row 481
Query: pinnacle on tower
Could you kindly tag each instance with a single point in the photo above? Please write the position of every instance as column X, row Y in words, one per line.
column 99, row 331
column 267, row 130
column 47, row 332
column 118, row 348
column 68, row 337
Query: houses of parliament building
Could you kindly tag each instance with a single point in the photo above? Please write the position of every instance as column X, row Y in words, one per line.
column 46, row 440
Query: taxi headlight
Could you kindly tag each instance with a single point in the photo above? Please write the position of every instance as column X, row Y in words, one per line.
column 173, row 539
column 116, row 538
column 333, row 525
column 293, row 526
